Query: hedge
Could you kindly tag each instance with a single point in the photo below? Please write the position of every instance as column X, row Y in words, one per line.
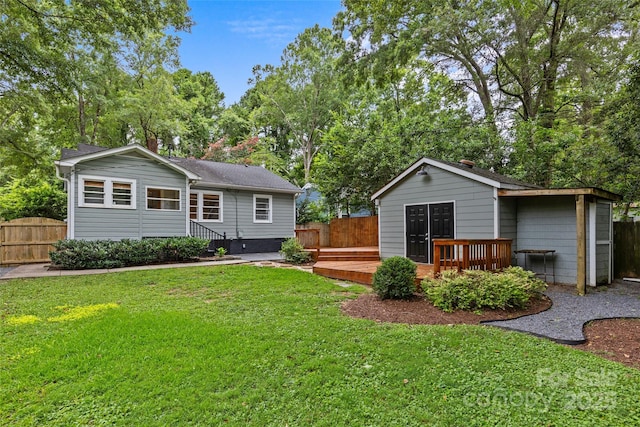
column 85, row 254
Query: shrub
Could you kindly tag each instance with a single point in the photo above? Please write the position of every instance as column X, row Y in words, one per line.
column 84, row 254
column 293, row 251
column 181, row 248
column 221, row 251
column 29, row 197
column 395, row 278
column 475, row 289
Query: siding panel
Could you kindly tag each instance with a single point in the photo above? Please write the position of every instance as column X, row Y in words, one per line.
column 548, row 223
column 116, row 224
column 283, row 215
column 473, row 207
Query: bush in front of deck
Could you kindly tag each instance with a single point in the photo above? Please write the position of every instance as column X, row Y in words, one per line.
column 513, row 287
column 293, row 251
column 395, row 278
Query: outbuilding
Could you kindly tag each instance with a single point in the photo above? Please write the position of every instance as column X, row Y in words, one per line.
column 566, row 233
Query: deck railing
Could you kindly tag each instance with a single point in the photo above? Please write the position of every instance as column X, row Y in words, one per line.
column 309, row 239
column 471, row 254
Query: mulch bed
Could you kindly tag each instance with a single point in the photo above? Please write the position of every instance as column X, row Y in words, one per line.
column 420, row 311
column 613, row 339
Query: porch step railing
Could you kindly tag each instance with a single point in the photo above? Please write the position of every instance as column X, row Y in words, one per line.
column 471, row 254
column 216, row 240
column 309, row 239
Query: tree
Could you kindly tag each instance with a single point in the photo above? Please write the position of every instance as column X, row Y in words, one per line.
column 383, row 129
column 300, row 96
column 204, row 107
column 612, row 160
column 50, row 53
column 529, row 61
column 32, row 197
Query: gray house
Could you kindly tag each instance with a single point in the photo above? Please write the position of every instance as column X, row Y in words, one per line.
column 132, row 193
column 569, row 230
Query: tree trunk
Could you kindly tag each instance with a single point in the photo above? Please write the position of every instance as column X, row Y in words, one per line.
column 152, row 144
column 82, row 118
column 550, row 74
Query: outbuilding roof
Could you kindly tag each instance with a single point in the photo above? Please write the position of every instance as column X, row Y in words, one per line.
column 507, row 186
column 466, row 169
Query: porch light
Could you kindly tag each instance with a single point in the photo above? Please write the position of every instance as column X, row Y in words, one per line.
column 424, row 170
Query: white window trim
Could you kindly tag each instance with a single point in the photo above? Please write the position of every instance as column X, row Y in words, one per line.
column 108, row 192
column 200, row 205
column 263, row 221
column 157, row 187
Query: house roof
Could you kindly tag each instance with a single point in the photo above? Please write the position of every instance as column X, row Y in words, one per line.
column 507, row 186
column 82, row 150
column 224, row 175
column 85, row 152
column 472, row 172
column 234, row 176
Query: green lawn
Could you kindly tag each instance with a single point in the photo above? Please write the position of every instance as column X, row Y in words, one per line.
column 239, row 345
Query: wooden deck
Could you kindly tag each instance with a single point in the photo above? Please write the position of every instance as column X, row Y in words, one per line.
column 358, row 264
column 362, row 253
column 360, row 271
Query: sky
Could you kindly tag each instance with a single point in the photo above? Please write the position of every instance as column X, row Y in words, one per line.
column 230, row 37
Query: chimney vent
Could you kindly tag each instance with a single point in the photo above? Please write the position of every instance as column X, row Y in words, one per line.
column 467, row 163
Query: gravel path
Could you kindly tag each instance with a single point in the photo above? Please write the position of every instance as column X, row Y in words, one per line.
column 563, row 322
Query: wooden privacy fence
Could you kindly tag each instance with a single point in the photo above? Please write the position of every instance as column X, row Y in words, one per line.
column 313, row 240
column 626, row 249
column 29, row 240
column 340, row 233
column 464, row 254
column 354, row 232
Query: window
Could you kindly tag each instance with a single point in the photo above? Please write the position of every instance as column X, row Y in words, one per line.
column 93, row 192
column 193, row 206
column 164, row 199
column 100, row 192
column 205, row 206
column 261, row 208
column 121, row 193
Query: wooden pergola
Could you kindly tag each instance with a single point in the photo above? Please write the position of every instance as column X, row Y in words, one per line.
column 582, row 196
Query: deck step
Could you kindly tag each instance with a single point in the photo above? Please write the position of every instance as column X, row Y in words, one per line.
column 351, row 257
column 368, row 253
column 360, row 271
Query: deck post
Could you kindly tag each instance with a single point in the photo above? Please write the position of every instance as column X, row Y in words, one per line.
column 581, row 236
column 465, row 258
column 488, row 257
column 436, row 260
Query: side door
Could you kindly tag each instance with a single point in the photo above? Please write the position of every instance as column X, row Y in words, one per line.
column 441, row 224
column 417, row 233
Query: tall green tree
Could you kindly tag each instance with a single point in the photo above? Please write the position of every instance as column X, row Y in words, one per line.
column 49, row 52
column 299, row 96
column 382, row 129
column 532, row 61
column 610, row 157
column 204, row 108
